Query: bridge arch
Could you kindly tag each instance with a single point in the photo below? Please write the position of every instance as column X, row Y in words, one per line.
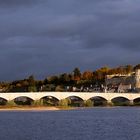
column 98, row 100
column 75, row 101
column 120, row 101
column 3, row 101
column 136, row 101
column 23, row 100
column 50, row 100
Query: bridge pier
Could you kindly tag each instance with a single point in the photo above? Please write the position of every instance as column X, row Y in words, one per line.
column 109, row 103
column 131, row 102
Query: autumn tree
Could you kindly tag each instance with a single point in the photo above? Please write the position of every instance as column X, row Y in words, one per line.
column 128, row 68
column 87, row 75
column 101, row 73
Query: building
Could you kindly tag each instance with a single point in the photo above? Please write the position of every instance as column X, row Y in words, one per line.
column 137, row 80
column 124, row 83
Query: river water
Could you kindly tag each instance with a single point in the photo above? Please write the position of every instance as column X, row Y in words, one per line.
column 118, row 123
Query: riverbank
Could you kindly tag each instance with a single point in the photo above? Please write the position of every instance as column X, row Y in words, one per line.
column 29, row 108
column 43, row 108
column 40, row 108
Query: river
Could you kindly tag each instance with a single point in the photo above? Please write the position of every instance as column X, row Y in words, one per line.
column 117, row 123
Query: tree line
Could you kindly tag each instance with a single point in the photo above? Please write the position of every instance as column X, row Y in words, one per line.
column 59, row 82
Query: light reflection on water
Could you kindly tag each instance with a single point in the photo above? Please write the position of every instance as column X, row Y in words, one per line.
column 120, row 123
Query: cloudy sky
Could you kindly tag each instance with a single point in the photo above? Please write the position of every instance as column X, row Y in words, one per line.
column 46, row 37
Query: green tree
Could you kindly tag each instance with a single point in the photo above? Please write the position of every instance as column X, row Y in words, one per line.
column 64, row 79
column 53, row 80
column 32, row 84
column 76, row 74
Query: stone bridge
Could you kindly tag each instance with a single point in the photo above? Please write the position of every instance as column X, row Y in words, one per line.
column 63, row 95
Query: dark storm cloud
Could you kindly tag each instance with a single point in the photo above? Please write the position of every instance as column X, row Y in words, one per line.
column 54, row 36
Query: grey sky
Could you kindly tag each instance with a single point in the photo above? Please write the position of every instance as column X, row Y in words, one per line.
column 45, row 37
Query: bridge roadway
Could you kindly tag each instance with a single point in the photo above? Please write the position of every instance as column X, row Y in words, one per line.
column 63, row 95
